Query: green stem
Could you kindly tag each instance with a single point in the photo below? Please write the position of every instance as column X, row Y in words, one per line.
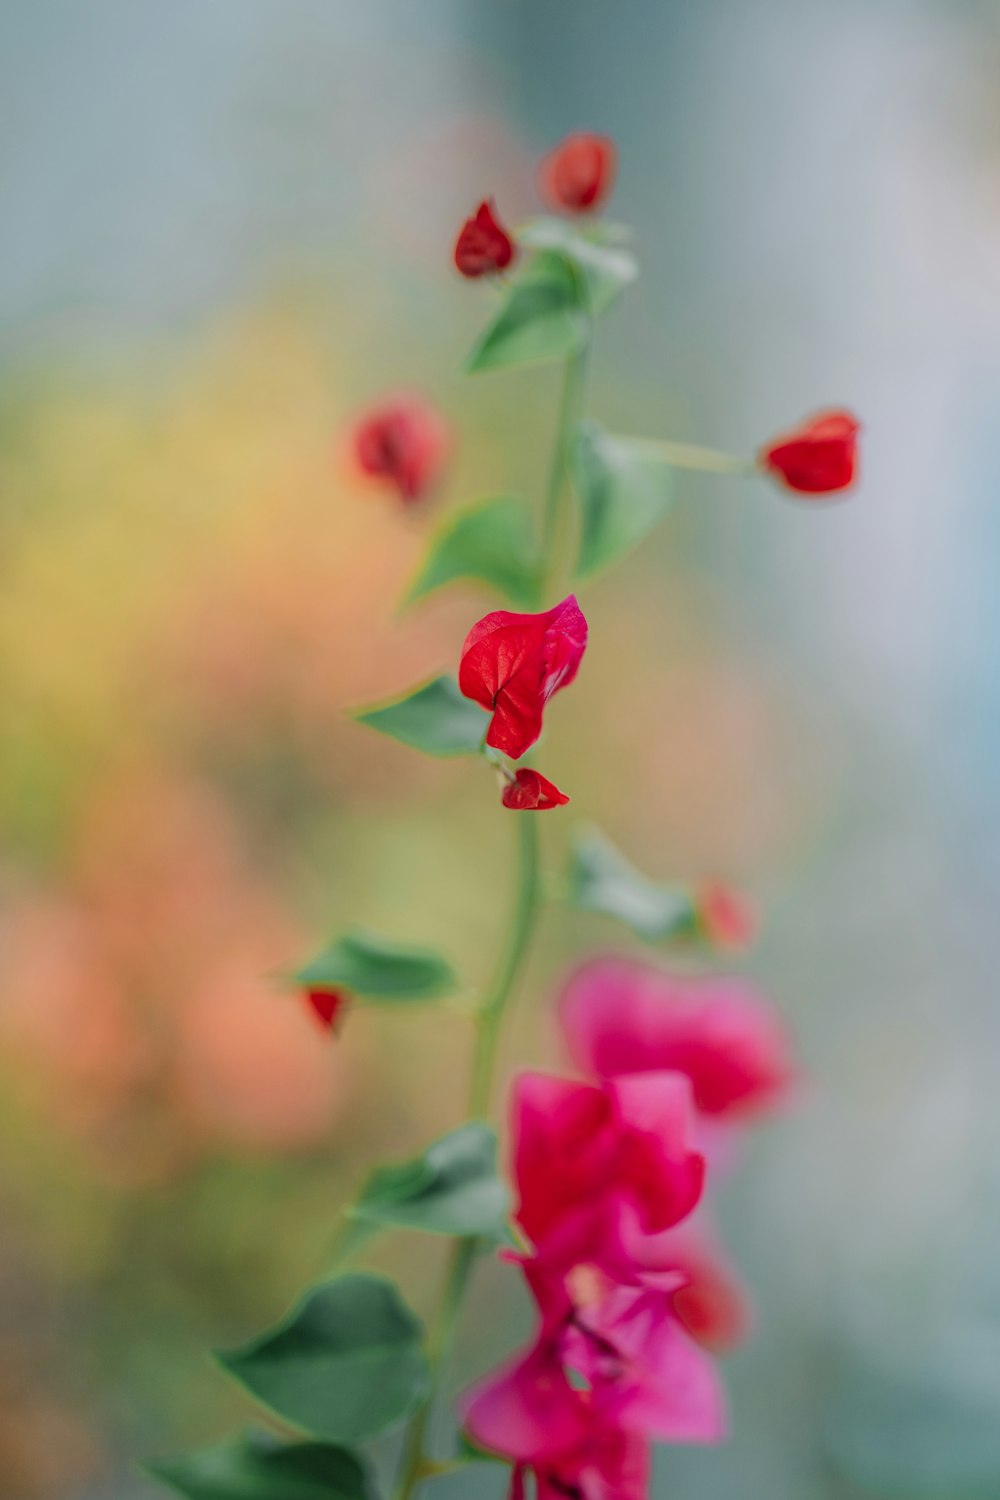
column 553, row 543
column 689, row 456
column 488, row 1022
column 522, row 923
column 414, row 1462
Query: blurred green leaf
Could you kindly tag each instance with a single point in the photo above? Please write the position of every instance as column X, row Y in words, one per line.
column 602, row 880
column 543, row 317
column 434, row 718
column 452, row 1188
column 603, row 268
column 346, row 1363
column 258, row 1467
column 492, row 542
column 377, row 968
column 625, row 487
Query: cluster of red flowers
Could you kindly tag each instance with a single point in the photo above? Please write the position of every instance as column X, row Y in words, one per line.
column 631, row 1289
column 404, row 440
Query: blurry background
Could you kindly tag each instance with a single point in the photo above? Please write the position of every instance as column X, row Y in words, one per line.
column 226, row 227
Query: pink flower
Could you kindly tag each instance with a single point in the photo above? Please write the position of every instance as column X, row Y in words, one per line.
column 513, row 663
column 621, row 1016
column 530, row 791
column 610, row 1364
column 600, row 1167
column 711, row 1300
column 404, row 441
column 529, row 1413
column 819, row 457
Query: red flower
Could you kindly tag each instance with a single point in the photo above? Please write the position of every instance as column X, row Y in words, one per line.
column 818, row 458
column 621, row 1016
column 483, row 245
column 725, row 917
column 328, row 1006
column 405, row 441
column 512, row 664
column 531, row 792
column 579, row 174
column 600, row 1168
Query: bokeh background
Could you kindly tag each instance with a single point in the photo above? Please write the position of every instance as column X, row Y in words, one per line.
column 226, row 227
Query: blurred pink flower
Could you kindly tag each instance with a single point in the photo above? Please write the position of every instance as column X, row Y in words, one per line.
column 621, row 1016
column 599, row 1168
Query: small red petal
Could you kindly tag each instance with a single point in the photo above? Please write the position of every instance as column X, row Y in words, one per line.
column 726, row 917
column 820, row 457
column 328, row 1006
column 578, row 175
column 530, row 791
column 483, row 245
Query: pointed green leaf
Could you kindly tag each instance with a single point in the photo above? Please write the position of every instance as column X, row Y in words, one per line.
column 376, row 968
column 434, row 718
column 604, row 268
column 543, row 317
column 453, row 1188
column 259, row 1467
column 492, row 542
column 346, row 1363
column 602, row 880
column 625, row 486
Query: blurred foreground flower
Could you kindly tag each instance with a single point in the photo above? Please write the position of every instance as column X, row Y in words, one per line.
column 621, row 1016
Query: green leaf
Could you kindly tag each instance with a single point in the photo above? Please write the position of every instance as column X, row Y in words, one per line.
column 258, row 1467
column 603, row 268
column 602, row 880
column 543, row 317
column 376, row 968
column 452, row 1188
column 434, row 718
column 492, row 542
column 346, row 1363
column 625, row 486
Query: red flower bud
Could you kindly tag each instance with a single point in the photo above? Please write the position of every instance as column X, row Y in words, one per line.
column 328, row 1006
column 512, row 664
column 531, row 792
column 405, row 441
column 817, row 458
column 725, row 916
column 483, row 245
column 579, row 174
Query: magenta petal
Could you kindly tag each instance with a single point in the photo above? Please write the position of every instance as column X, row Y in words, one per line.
column 527, row 1410
column 621, row 1016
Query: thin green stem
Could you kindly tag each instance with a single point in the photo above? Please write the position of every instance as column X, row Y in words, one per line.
column 689, row 456
column 414, row 1466
column 554, row 544
column 522, row 924
column 415, row 1462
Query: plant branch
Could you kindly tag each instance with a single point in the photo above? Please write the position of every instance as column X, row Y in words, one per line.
column 690, row 456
